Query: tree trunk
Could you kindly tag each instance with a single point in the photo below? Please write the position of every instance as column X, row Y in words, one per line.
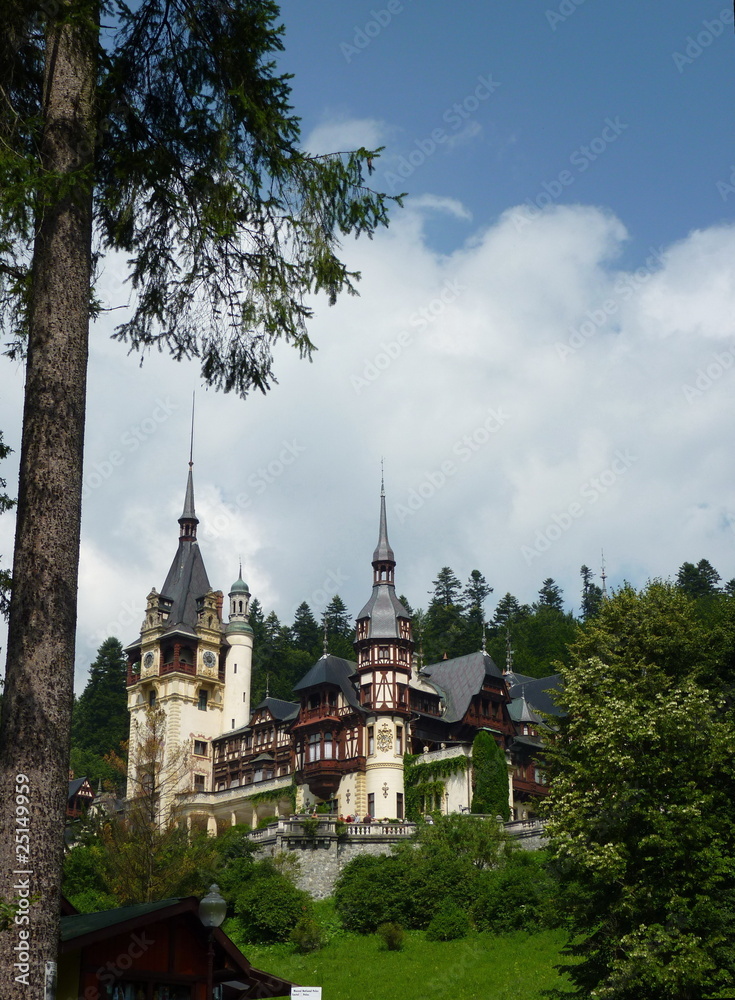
column 36, row 711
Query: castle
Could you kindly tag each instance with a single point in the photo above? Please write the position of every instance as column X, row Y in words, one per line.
column 343, row 739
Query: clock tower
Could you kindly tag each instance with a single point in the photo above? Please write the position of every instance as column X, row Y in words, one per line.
column 177, row 669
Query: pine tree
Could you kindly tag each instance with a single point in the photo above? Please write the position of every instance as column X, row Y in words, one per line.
column 305, row 631
column 445, row 632
column 340, row 633
column 550, row 596
column 172, row 138
column 447, row 588
column 591, row 594
column 475, row 594
column 100, row 719
column 698, row 581
column 5, row 504
column 508, row 610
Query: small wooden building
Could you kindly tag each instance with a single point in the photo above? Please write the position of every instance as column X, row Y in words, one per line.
column 154, row 951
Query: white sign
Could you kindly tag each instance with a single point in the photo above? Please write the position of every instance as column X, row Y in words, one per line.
column 306, row 993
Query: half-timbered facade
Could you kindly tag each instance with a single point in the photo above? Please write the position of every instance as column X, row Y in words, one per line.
column 343, row 737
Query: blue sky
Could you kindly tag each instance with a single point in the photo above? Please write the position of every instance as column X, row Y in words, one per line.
column 560, row 79
column 543, row 349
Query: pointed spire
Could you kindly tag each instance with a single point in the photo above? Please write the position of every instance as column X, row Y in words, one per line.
column 326, row 641
column 603, row 576
column 484, row 638
column 188, row 519
column 508, row 652
column 383, row 551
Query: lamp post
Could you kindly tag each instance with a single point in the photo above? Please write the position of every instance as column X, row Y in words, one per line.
column 212, row 911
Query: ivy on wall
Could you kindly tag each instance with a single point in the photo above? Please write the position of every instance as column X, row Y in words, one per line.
column 423, row 781
column 275, row 795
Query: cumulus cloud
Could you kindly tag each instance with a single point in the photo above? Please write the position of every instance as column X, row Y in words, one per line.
column 534, row 403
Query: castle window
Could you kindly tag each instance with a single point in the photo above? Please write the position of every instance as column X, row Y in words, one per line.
column 202, row 703
column 315, row 747
column 399, row 805
column 371, row 804
column 371, row 742
column 200, row 748
column 152, row 697
column 399, row 744
column 234, row 668
column 200, row 782
column 384, row 653
column 328, row 746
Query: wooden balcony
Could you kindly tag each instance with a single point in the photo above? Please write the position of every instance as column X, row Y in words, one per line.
column 529, row 787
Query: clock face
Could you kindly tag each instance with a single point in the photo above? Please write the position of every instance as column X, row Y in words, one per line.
column 209, row 658
column 148, row 659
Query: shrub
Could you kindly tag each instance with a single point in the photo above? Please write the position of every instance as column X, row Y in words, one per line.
column 448, row 923
column 371, row 891
column 307, row 935
column 393, row 936
column 310, row 825
column 517, row 896
column 268, row 906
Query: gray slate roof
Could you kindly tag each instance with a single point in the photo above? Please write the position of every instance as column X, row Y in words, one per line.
column 332, row 670
column 280, row 710
column 383, row 609
column 460, row 679
column 539, row 692
column 186, row 581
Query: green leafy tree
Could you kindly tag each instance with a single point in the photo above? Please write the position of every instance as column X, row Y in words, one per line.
column 640, row 809
column 491, row 789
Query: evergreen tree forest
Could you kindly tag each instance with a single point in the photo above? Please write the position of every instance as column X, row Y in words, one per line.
column 531, row 639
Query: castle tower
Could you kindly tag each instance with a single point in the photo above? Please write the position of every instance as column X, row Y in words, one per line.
column 177, row 668
column 239, row 658
column 384, row 647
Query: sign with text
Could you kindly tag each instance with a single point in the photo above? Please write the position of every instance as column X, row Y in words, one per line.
column 306, row 993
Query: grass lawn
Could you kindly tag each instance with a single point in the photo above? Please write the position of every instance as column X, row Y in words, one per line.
column 515, row 966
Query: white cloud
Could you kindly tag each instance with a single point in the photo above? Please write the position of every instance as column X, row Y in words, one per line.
column 335, row 135
column 528, row 396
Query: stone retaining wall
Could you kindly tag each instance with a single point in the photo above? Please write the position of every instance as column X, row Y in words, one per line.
column 323, row 853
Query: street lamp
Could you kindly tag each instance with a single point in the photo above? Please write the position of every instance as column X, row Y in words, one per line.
column 212, row 911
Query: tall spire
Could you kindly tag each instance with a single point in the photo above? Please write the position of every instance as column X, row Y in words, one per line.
column 188, row 519
column 603, row 576
column 383, row 551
